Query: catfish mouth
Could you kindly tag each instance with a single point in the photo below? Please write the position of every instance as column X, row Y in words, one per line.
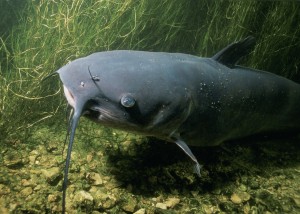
column 95, row 111
column 108, row 114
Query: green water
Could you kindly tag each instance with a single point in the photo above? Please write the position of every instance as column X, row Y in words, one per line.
column 113, row 172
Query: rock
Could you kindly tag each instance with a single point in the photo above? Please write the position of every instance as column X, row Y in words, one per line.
column 94, row 178
column 297, row 201
column 3, row 208
column 140, row 211
column 52, row 175
column 161, row 206
column 109, row 203
column 37, row 187
column 4, row 190
column 26, row 191
column 32, row 159
column 240, row 197
column 26, row 183
column 103, row 200
column 52, row 198
column 235, row 198
column 243, row 188
column 89, row 158
column 172, row 202
column 83, row 197
column 130, row 206
column 13, row 160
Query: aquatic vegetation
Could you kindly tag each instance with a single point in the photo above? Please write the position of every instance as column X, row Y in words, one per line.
column 48, row 34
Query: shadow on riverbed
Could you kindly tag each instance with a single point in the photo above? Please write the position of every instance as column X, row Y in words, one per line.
column 154, row 164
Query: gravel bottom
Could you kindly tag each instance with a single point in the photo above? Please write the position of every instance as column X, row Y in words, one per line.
column 129, row 174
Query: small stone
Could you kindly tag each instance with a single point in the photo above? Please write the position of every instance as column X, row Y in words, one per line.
column 172, row 202
column 243, row 187
column 235, row 198
column 140, row 211
column 26, row 183
column 4, row 190
column 246, row 208
column 26, row 191
column 103, row 200
column 130, row 206
column 240, row 197
column 161, row 206
column 109, row 203
column 52, row 174
column 52, row 198
column 297, row 201
column 94, row 178
column 37, row 187
column 13, row 160
column 83, row 197
column 3, row 208
column 32, row 159
column 89, row 158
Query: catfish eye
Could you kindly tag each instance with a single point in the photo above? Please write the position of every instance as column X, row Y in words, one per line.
column 127, row 101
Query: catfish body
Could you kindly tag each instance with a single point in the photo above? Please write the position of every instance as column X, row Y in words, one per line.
column 180, row 98
column 199, row 99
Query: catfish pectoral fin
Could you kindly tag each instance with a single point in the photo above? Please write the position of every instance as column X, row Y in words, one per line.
column 188, row 151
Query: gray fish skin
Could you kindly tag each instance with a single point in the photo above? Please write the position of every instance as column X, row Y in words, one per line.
column 176, row 95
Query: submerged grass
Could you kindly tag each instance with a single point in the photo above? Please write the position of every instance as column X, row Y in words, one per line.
column 48, row 34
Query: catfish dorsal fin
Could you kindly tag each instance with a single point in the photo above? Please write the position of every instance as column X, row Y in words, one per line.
column 231, row 54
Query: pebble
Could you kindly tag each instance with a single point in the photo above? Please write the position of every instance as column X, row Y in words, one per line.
column 161, row 206
column 89, row 158
column 32, row 159
column 172, row 202
column 26, row 191
column 235, row 198
column 4, row 190
column 130, row 206
column 52, row 198
column 109, row 203
column 13, row 160
column 83, row 197
column 140, row 211
column 103, row 200
column 26, row 183
column 94, row 178
column 239, row 197
column 51, row 174
column 297, row 201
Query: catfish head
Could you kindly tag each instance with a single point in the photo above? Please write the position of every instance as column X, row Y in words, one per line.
column 117, row 91
column 125, row 90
